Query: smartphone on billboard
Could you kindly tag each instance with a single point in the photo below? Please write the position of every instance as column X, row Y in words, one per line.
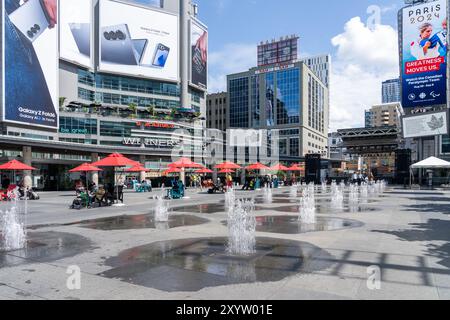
column 140, row 45
column 161, row 56
column 117, row 46
column 30, row 19
column 81, row 32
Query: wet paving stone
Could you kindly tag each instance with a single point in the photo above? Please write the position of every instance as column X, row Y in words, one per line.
column 46, row 247
column 291, row 225
column 193, row 264
column 141, row 222
column 322, row 209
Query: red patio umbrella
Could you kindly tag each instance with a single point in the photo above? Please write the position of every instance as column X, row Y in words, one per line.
column 279, row 167
column 86, row 167
column 138, row 168
column 228, row 165
column 186, row 163
column 171, row 170
column 257, row 166
column 296, row 167
column 204, row 171
column 115, row 160
column 14, row 166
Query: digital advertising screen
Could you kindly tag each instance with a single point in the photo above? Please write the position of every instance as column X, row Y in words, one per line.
column 424, row 50
column 199, row 54
column 75, row 31
column 137, row 41
column 30, row 64
column 426, row 125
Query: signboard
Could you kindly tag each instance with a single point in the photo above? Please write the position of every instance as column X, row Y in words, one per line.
column 199, row 55
column 424, row 51
column 277, row 68
column 428, row 124
column 282, row 51
column 30, row 63
column 149, row 142
column 75, row 31
column 138, row 41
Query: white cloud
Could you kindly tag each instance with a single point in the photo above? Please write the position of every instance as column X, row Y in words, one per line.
column 364, row 59
column 232, row 58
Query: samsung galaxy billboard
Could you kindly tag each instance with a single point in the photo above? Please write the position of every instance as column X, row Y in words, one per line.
column 75, row 30
column 199, row 55
column 138, row 41
column 424, row 49
column 30, row 62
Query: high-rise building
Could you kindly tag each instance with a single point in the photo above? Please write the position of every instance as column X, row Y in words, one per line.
column 384, row 115
column 391, row 91
column 289, row 99
column 130, row 74
column 216, row 111
column 321, row 66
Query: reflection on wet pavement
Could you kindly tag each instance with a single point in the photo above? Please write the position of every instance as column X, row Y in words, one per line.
column 194, row 264
column 141, row 222
column 322, row 209
column 46, row 247
column 291, row 225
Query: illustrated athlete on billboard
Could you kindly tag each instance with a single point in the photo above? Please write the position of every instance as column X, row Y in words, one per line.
column 27, row 95
column 430, row 44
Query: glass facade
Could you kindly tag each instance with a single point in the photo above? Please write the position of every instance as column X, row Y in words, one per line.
column 446, row 144
column 270, row 99
column 124, row 84
column 116, row 129
column 113, row 82
column 294, row 147
column 256, row 109
column 78, row 126
column 316, row 105
column 288, row 97
column 239, row 103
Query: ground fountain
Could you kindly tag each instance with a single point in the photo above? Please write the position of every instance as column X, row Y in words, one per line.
column 162, row 210
column 241, row 228
column 353, row 194
column 293, row 191
column 13, row 231
column 308, row 206
column 268, row 195
column 230, row 198
column 324, row 187
column 337, row 196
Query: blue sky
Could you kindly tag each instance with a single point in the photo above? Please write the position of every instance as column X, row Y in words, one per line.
column 325, row 26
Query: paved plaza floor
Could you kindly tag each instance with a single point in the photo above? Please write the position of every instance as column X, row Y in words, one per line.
column 122, row 253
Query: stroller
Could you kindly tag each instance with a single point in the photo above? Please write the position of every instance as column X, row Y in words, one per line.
column 81, row 201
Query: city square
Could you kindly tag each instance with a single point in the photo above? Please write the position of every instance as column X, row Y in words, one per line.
column 197, row 151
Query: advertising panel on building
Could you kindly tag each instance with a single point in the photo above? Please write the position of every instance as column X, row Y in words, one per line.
column 199, row 52
column 424, row 50
column 75, row 35
column 426, row 125
column 30, row 63
column 137, row 41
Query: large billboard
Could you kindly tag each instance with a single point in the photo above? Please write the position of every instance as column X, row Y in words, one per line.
column 137, row 41
column 75, row 30
column 30, row 62
column 426, row 125
column 283, row 51
column 424, row 50
column 199, row 55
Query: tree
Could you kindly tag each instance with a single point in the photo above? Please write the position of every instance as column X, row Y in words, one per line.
column 133, row 108
column 62, row 101
column 151, row 110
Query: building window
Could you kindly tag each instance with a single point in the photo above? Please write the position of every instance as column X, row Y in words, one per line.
column 239, row 103
column 288, row 97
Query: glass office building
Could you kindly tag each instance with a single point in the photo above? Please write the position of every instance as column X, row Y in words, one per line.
column 290, row 100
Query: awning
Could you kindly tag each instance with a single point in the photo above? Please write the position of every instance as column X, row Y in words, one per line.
column 431, row 163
